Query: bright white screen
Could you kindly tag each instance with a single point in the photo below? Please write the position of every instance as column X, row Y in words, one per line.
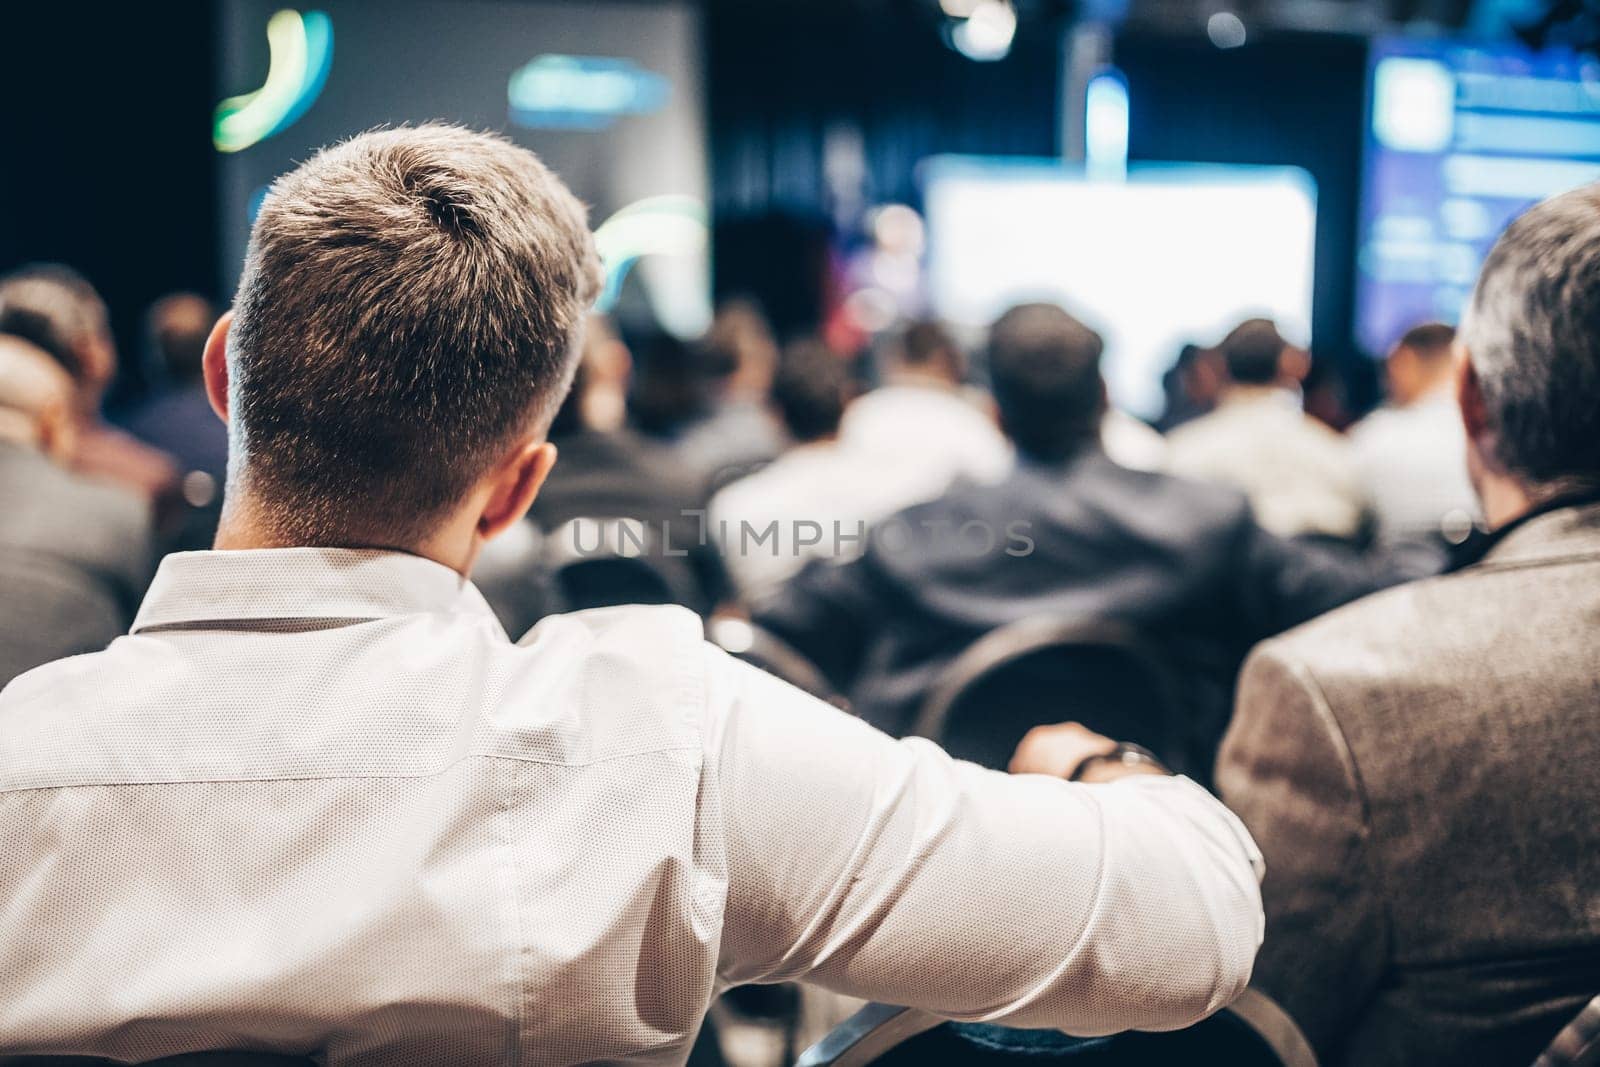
column 1172, row 255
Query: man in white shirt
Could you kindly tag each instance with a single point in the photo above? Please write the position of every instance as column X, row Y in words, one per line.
column 317, row 803
column 815, row 501
column 1296, row 471
column 1411, row 453
column 922, row 429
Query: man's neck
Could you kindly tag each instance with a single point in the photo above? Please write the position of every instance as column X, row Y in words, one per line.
column 242, row 528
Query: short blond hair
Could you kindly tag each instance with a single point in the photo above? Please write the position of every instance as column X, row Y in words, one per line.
column 409, row 305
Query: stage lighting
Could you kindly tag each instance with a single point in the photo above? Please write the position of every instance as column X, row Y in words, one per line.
column 987, row 33
column 1225, row 29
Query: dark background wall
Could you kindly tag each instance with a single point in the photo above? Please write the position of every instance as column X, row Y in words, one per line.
column 106, row 161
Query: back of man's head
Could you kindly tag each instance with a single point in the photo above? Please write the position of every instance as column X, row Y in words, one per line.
column 176, row 327
column 409, row 306
column 55, row 308
column 810, row 391
column 1432, row 341
column 1532, row 332
column 927, row 348
column 1044, row 368
column 1253, row 352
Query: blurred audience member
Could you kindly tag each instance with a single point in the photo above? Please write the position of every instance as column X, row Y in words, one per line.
column 1192, row 385
column 1412, row 454
column 74, row 554
column 921, row 430
column 605, row 473
column 1131, row 442
column 667, row 389
column 178, row 418
column 57, row 309
column 1419, row 768
column 738, row 357
column 818, row 497
column 1298, row 474
column 1067, row 534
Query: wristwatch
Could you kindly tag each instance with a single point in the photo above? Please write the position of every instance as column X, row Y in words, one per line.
column 1127, row 754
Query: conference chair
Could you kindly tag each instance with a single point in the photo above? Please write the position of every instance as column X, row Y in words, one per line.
column 1046, row 670
column 1578, row 1043
column 1251, row 1032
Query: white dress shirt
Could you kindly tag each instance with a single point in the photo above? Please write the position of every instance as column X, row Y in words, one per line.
column 914, row 438
column 1413, row 462
column 1299, row 474
column 817, row 500
column 318, row 802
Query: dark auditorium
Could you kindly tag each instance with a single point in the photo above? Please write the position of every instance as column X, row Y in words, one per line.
column 800, row 533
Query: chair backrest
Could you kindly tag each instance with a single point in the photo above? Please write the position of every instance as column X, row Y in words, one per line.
column 1252, row 1032
column 49, row 610
column 601, row 563
column 1578, row 1043
column 607, row 581
column 1046, row 670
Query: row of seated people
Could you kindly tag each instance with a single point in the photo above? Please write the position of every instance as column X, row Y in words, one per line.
column 1367, row 755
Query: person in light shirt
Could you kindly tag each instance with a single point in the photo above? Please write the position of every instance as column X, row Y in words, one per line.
column 814, row 501
column 922, row 429
column 1411, row 453
column 318, row 803
column 1298, row 473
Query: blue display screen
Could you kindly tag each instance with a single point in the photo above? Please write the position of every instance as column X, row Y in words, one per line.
column 1460, row 139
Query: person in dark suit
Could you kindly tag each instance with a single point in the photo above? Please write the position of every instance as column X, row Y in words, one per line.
column 1419, row 767
column 1067, row 534
column 178, row 418
column 74, row 554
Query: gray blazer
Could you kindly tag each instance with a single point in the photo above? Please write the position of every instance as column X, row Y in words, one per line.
column 75, row 556
column 1422, row 772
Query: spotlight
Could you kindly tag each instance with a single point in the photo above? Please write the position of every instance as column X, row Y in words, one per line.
column 1225, row 29
column 987, row 33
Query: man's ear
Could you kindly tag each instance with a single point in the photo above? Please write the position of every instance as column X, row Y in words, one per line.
column 515, row 482
column 1469, row 397
column 215, row 365
column 57, row 432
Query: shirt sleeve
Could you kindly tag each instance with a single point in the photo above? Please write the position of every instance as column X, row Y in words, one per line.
column 1286, row 769
column 886, row 870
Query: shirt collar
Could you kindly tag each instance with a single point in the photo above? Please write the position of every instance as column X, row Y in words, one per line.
column 194, row 589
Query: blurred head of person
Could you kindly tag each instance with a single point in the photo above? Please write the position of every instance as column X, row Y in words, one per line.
column 1422, row 362
column 738, row 352
column 671, row 388
column 57, row 309
column 1044, row 368
column 1255, row 354
column 927, row 352
column 37, row 399
column 405, row 328
column 176, row 328
column 1529, row 387
column 598, row 399
column 1195, row 377
column 811, row 391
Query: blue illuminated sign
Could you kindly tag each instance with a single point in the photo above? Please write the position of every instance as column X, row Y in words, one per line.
column 582, row 92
